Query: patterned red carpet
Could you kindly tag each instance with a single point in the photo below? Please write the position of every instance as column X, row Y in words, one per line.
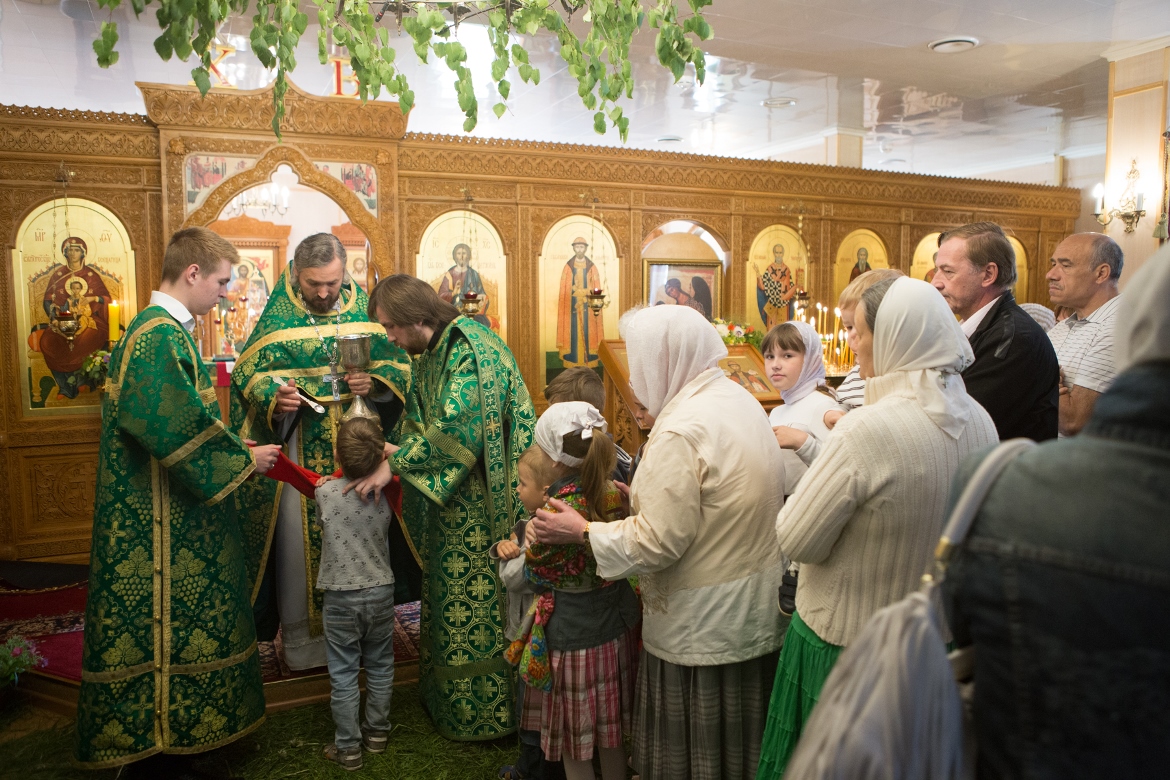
column 54, row 618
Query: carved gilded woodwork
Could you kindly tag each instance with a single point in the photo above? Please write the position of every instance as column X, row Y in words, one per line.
column 242, row 110
column 219, row 197
column 133, row 165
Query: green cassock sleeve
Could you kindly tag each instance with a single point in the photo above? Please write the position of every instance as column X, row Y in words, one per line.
column 161, row 408
column 438, row 459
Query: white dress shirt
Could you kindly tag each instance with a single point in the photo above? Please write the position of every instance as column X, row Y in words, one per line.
column 971, row 324
column 174, row 308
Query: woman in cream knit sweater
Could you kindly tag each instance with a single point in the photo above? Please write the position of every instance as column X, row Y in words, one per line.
column 867, row 516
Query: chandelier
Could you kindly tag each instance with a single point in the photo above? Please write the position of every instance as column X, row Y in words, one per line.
column 270, row 199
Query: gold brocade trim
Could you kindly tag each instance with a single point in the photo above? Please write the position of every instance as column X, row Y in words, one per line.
column 399, row 393
column 117, row 674
column 246, row 428
column 156, row 479
column 114, row 380
column 426, row 491
column 316, row 625
column 292, row 373
column 410, row 543
column 235, row 483
column 202, row 438
column 267, row 542
column 111, row 763
column 306, row 333
column 296, row 298
column 450, row 446
column 497, row 665
column 214, row 666
column 163, row 662
column 208, row 395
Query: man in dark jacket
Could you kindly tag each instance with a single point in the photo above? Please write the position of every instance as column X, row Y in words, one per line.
column 1063, row 582
column 1015, row 375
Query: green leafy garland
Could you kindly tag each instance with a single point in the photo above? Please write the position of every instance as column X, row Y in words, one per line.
column 600, row 62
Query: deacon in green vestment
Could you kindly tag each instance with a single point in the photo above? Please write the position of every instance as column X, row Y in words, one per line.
column 169, row 661
column 314, row 303
column 468, row 417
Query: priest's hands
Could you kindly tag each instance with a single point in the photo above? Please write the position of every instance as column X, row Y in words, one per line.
column 265, row 456
column 565, row 525
column 369, row 487
column 359, row 383
column 287, row 398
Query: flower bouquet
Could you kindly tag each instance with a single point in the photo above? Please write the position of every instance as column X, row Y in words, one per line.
column 18, row 655
column 95, row 367
column 734, row 333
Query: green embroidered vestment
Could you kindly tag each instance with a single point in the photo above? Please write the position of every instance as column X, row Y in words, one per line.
column 169, row 659
column 285, row 345
column 468, row 418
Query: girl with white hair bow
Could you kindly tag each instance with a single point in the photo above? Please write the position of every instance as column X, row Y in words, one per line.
column 578, row 655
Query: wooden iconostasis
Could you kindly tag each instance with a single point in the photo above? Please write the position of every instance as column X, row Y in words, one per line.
column 531, row 227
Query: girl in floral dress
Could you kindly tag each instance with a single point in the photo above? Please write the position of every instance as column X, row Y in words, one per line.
column 578, row 652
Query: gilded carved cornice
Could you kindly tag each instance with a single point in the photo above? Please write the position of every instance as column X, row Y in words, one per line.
column 233, row 110
column 426, row 153
column 37, row 114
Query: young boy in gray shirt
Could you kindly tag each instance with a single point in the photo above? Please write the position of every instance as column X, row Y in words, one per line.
column 359, row 596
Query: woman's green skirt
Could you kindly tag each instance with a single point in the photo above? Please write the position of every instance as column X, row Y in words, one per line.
column 805, row 663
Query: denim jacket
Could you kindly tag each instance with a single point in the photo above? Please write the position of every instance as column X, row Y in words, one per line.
column 1063, row 585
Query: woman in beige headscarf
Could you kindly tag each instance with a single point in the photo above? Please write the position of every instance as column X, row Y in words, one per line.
column 865, row 518
column 706, row 494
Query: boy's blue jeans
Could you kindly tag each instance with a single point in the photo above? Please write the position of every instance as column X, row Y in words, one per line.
column 359, row 631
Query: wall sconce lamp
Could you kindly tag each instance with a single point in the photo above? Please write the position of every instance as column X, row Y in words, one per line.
column 1130, row 208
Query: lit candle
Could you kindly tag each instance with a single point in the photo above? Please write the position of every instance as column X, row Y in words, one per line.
column 114, row 313
column 1141, row 198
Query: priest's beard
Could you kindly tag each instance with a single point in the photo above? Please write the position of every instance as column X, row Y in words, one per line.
column 318, row 306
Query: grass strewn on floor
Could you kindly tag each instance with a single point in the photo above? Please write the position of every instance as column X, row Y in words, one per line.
column 289, row 744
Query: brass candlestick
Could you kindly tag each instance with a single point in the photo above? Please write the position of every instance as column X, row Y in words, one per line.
column 354, row 354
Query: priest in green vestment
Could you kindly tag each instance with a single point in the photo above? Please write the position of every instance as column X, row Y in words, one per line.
column 293, row 350
column 169, row 661
column 468, row 417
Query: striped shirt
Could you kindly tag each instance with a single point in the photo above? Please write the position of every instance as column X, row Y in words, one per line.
column 851, row 393
column 1084, row 347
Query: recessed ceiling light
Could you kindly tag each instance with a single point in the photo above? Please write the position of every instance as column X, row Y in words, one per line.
column 954, row 44
column 892, row 161
column 669, row 139
column 778, row 102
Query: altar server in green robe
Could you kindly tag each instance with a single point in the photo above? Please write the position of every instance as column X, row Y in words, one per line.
column 294, row 347
column 169, row 664
column 468, row 417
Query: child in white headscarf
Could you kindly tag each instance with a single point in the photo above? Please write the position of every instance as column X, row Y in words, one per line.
column 578, row 652
column 792, row 360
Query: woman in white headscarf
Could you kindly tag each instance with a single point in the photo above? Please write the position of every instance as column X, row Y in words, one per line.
column 864, row 520
column 704, row 497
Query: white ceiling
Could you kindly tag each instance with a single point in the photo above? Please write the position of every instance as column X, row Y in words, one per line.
column 1036, row 87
